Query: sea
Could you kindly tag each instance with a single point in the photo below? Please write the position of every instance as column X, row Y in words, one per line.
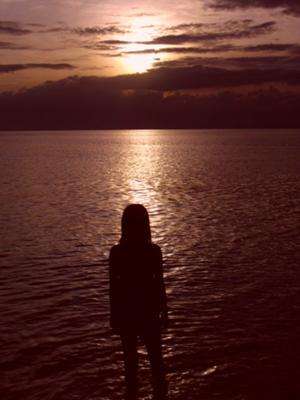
column 224, row 207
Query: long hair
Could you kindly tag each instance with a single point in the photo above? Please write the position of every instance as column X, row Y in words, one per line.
column 135, row 225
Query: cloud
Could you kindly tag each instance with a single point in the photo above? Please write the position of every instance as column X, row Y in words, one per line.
column 236, row 33
column 100, row 103
column 208, row 33
column 216, row 26
column 267, row 47
column 12, row 46
column 7, row 68
column 55, row 30
column 36, row 25
column 98, row 30
column 13, row 28
column 199, row 76
column 291, row 47
column 142, row 14
column 260, row 68
column 16, row 28
column 185, row 26
column 288, row 6
column 183, row 74
column 87, row 30
column 264, row 63
column 116, row 42
column 184, row 50
column 98, row 46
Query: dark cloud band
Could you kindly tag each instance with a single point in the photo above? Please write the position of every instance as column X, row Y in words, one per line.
column 247, row 32
column 12, row 46
column 98, row 30
column 56, row 105
column 13, row 28
column 288, row 6
column 7, row 68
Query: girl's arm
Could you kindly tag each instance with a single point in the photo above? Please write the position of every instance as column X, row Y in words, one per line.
column 113, row 289
column 161, row 287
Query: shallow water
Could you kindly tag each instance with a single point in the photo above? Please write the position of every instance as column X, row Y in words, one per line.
column 224, row 207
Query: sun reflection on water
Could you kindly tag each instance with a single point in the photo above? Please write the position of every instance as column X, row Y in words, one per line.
column 143, row 175
column 142, row 170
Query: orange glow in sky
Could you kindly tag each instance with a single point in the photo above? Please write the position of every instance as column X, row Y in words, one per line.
column 55, row 40
column 141, row 31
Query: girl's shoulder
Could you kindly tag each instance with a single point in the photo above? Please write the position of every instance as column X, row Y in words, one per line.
column 155, row 248
column 115, row 251
column 119, row 249
column 155, row 253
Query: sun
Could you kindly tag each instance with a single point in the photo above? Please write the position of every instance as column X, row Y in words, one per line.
column 135, row 58
column 138, row 63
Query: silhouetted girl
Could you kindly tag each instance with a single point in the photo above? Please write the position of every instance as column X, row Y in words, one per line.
column 137, row 297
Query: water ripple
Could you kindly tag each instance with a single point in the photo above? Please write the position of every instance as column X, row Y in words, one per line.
column 224, row 207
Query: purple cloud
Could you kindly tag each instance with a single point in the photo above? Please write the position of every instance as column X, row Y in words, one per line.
column 288, row 6
column 7, row 68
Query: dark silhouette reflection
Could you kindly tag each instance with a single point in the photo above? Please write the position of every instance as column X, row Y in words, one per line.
column 138, row 298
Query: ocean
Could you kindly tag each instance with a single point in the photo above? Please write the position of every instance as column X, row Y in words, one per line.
column 224, row 206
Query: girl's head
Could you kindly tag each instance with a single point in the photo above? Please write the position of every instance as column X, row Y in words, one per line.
column 135, row 225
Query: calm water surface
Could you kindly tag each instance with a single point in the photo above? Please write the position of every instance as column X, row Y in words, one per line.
column 224, row 207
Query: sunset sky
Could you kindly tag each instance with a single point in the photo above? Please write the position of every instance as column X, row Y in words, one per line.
column 199, row 47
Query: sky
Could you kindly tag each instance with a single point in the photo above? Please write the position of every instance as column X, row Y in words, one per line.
column 153, row 58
